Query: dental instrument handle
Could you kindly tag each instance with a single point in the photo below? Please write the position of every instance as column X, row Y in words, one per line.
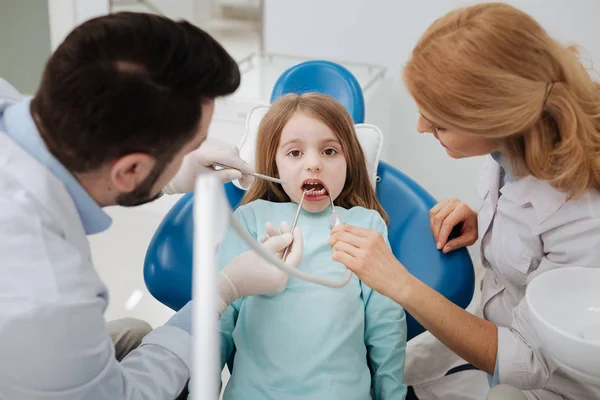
column 257, row 175
column 338, row 220
column 270, row 178
column 287, row 249
column 335, row 218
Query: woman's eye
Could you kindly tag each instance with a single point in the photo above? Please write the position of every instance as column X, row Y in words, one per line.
column 435, row 128
column 330, row 152
column 294, row 153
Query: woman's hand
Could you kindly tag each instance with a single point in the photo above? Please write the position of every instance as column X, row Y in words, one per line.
column 445, row 216
column 366, row 253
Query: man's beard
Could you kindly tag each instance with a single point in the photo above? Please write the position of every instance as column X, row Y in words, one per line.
column 142, row 194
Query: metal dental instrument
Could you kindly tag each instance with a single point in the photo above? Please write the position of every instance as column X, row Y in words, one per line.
column 287, row 249
column 335, row 219
column 257, row 175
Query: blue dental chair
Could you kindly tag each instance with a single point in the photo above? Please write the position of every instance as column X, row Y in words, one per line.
column 168, row 264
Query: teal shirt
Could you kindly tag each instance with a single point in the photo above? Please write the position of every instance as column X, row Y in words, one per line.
column 312, row 342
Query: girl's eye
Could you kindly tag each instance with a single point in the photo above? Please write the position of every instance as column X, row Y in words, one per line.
column 330, row 152
column 294, row 153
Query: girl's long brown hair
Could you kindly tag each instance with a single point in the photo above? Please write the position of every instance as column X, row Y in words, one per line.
column 491, row 70
column 357, row 188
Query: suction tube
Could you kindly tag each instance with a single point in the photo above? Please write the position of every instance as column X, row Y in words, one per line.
column 272, row 259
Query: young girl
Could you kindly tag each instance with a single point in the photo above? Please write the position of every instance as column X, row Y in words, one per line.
column 312, row 342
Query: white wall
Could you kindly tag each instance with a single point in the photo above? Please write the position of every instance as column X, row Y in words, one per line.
column 23, row 55
column 67, row 14
column 195, row 11
column 384, row 32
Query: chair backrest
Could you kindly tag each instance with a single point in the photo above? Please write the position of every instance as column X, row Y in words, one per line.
column 168, row 266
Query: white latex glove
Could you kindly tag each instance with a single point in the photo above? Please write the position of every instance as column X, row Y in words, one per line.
column 200, row 161
column 249, row 275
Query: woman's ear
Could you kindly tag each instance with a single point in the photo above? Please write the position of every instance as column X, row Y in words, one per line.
column 129, row 171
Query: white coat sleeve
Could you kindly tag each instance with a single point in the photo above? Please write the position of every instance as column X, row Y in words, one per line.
column 521, row 362
column 53, row 337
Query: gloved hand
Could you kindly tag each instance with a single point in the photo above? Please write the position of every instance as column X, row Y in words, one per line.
column 200, row 161
column 249, row 275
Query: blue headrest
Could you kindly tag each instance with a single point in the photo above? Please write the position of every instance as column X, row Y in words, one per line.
column 327, row 78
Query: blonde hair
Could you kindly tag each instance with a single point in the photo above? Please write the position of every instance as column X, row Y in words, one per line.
column 491, row 70
column 357, row 189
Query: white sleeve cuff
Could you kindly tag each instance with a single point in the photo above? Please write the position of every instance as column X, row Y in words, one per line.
column 176, row 340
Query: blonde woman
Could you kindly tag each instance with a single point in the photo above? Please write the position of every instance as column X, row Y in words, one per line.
column 489, row 80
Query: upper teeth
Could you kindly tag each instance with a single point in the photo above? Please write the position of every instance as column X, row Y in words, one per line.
column 313, row 183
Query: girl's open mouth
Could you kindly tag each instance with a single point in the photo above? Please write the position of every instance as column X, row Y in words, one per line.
column 318, row 191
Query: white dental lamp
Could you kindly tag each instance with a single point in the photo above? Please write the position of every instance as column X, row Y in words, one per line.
column 564, row 305
column 208, row 207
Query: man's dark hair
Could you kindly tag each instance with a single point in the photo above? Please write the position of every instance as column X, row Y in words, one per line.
column 126, row 83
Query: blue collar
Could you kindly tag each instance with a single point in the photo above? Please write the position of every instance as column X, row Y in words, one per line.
column 505, row 166
column 20, row 127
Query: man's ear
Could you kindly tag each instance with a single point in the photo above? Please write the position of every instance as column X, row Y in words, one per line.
column 130, row 170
